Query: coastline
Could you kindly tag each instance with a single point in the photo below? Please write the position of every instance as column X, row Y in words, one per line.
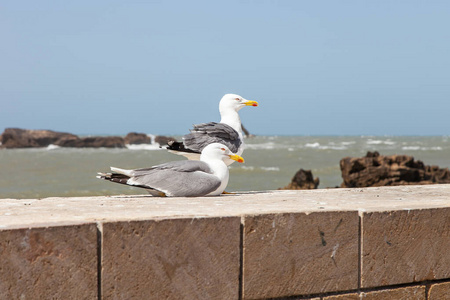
column 270, row 163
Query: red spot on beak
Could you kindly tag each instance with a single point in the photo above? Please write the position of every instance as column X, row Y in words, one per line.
column 254, row 104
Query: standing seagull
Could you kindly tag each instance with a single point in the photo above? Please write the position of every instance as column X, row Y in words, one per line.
column 207, row 177
column 227, row 132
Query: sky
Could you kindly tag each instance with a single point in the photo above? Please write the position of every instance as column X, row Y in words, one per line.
column 315, row 67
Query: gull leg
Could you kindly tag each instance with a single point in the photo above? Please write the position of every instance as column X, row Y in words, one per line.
column 227, row 193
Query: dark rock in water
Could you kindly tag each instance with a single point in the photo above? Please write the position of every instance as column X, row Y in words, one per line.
column 93, row 142
column 134, row 138
column 246, row 132
column 163, row 140
column 302, row 180
column 378, row 170
column 26, row 138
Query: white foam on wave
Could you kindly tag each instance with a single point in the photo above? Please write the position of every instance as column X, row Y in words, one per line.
column 332, row 146
column 379, row 142
column 52, row 147
column 152, row 138
column 312, row 145
column 247, row 168
column 154, row 146
column 151, row 146
column 276, row 169
column 264, row 146
column 252, row 168
column 416, row 148
column 291, row 148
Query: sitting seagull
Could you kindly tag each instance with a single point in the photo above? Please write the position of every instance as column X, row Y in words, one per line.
column 227, row 132
column 207, row 177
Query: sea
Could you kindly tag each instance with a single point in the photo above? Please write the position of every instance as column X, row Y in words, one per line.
column 270, row 163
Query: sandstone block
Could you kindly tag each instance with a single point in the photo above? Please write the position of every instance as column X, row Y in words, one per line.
column 440, row 291
column 49, row 263
column 296, row 254
column 405, row 246
column 408, row 293
column 171, row 259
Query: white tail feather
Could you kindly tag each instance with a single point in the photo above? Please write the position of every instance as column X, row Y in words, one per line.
column 121, row 171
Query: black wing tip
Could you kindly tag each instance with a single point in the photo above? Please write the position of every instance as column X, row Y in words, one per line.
column 114, row 177
column 179, row 147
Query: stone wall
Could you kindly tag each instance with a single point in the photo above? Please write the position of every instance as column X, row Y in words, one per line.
column 371, row 243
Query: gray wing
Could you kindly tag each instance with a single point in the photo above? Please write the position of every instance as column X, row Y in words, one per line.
column 207, row 133
column 178, row 179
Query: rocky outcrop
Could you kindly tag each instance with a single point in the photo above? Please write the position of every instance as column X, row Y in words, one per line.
column 163, row 140
column 134, row 138
column 25, row 138
column 246, row 132
column 92, row 142
column 302, row 180
column 378, row 170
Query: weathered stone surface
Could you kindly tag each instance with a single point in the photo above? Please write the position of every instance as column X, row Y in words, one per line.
column 378, row 170
column 17, row 213
column 353, row 296
column 134, row 138
column 25, row 138
column 302, row 180
column 49, row 263
column 163, row 140
column 408, row 293
column 299, row 254
column 195, row 258
column 92, row 142
column 405, row 246
column 439, row 291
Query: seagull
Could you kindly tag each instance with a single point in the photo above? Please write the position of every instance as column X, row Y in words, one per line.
column 186, row 178
column 228, row 131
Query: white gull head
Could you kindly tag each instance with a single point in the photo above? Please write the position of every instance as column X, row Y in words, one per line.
column 234, row 102
column 229, row 106
column 215, row 155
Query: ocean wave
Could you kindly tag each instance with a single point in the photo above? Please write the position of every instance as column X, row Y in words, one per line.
column 152, row 147
column 379, row 142
column 52, row 147
column 312, row 145
column 264, row 146
column 332, row 146
column 252, row 168
column 415, row 148
column 276, row 169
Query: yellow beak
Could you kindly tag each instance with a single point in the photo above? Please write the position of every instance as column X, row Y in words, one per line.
column 236, row 158
column 251, row 103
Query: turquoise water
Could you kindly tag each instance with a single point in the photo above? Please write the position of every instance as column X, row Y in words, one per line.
column 270, row 163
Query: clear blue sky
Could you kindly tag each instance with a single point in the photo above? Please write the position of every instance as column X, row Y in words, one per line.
column 315, row 67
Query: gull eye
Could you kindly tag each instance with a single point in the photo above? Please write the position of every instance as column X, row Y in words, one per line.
column 237, row 99
column 223, row 149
